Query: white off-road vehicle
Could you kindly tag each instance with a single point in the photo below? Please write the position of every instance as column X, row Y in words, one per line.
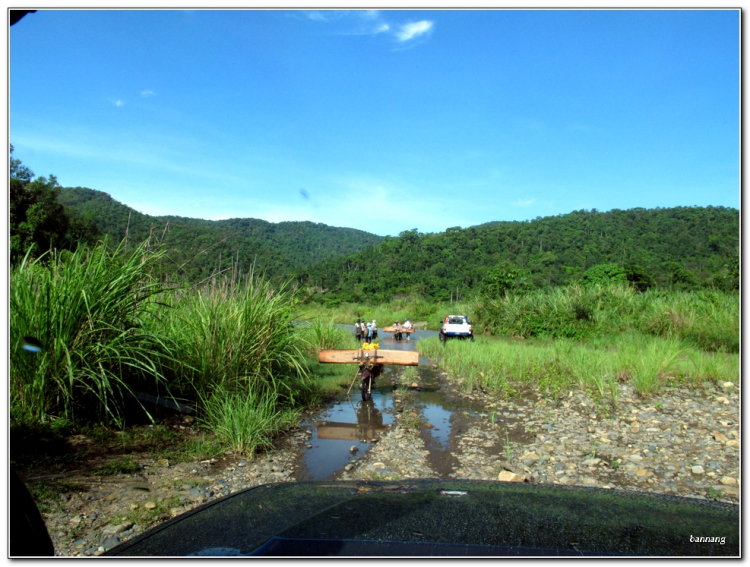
column 456, row 327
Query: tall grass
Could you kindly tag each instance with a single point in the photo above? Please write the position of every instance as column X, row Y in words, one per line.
column 238, row 335
column 88, row 309
column 708, row 320
column 647, row 363
column 241, row 356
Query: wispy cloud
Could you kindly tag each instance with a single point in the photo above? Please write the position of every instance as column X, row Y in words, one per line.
column 118, row 103
column 414, row 30
column 147, row 93
column 524, row 202
column 372, row 22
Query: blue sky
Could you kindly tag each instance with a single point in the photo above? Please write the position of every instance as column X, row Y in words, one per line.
column 381, row 120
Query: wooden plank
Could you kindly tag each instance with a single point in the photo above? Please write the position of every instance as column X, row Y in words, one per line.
column 392, row 329
column 400, row 357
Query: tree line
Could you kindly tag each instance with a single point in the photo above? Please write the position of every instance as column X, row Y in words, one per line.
column 679, row 247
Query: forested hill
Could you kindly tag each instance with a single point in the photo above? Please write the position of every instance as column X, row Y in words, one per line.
column 196, row 247
column 555, row 250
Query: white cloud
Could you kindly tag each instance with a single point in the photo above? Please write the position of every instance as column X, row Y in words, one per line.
column 382, row 28
column 147, row 93
column 414, row 29
column 524, row 202
column 119, row 103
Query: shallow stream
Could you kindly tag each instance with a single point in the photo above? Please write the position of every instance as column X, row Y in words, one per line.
column 343, row 432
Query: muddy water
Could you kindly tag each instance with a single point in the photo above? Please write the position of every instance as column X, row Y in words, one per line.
column 343, row 432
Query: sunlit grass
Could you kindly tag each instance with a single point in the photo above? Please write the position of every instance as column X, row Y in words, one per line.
column 87, row 311
column 707, row 320
column 246, row 421
column 648, row 363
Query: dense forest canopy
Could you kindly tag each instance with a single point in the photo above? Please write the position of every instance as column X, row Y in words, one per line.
column 680, row 246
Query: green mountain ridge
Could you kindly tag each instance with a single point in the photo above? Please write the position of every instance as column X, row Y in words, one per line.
column 197, row 248
column 667, row 242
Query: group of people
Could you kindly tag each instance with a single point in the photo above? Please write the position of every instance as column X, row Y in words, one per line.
column 366, row 331
column 398, row 329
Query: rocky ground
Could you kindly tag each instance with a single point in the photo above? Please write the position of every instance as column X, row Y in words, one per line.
column 683, row 441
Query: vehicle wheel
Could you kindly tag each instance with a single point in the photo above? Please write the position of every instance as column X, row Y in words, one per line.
column 442, row 337
column 471, row 338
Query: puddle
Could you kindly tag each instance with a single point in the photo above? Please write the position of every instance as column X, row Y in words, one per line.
column 352, row 423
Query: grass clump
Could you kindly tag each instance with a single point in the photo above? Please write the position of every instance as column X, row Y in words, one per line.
column 87, row 309
column 246, row 421
column 237, row 334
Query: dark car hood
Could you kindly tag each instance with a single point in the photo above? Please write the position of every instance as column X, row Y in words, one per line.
column 437, row 517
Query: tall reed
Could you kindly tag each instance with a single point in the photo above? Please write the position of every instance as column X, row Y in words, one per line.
column 88, row 309
column 234, row 334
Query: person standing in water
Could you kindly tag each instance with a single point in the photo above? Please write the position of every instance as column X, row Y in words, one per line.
column 407, row 325
column 358, row 331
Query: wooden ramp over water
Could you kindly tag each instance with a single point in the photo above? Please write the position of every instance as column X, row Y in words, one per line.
column 400, row 357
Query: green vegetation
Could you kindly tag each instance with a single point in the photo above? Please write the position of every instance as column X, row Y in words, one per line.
column 228, row 316
column 88, row 309
column 108, row 327
column 707, row 319
column 38, row 221
column 505, row 366
column 676, row 248
column 246, row 421
column 195, row 249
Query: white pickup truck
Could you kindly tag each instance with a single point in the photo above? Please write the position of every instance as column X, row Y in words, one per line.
column 456, row 327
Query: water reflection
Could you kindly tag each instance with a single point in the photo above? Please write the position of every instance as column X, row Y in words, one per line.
column 348, row 423
column 369, row 424
column 351, row 423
